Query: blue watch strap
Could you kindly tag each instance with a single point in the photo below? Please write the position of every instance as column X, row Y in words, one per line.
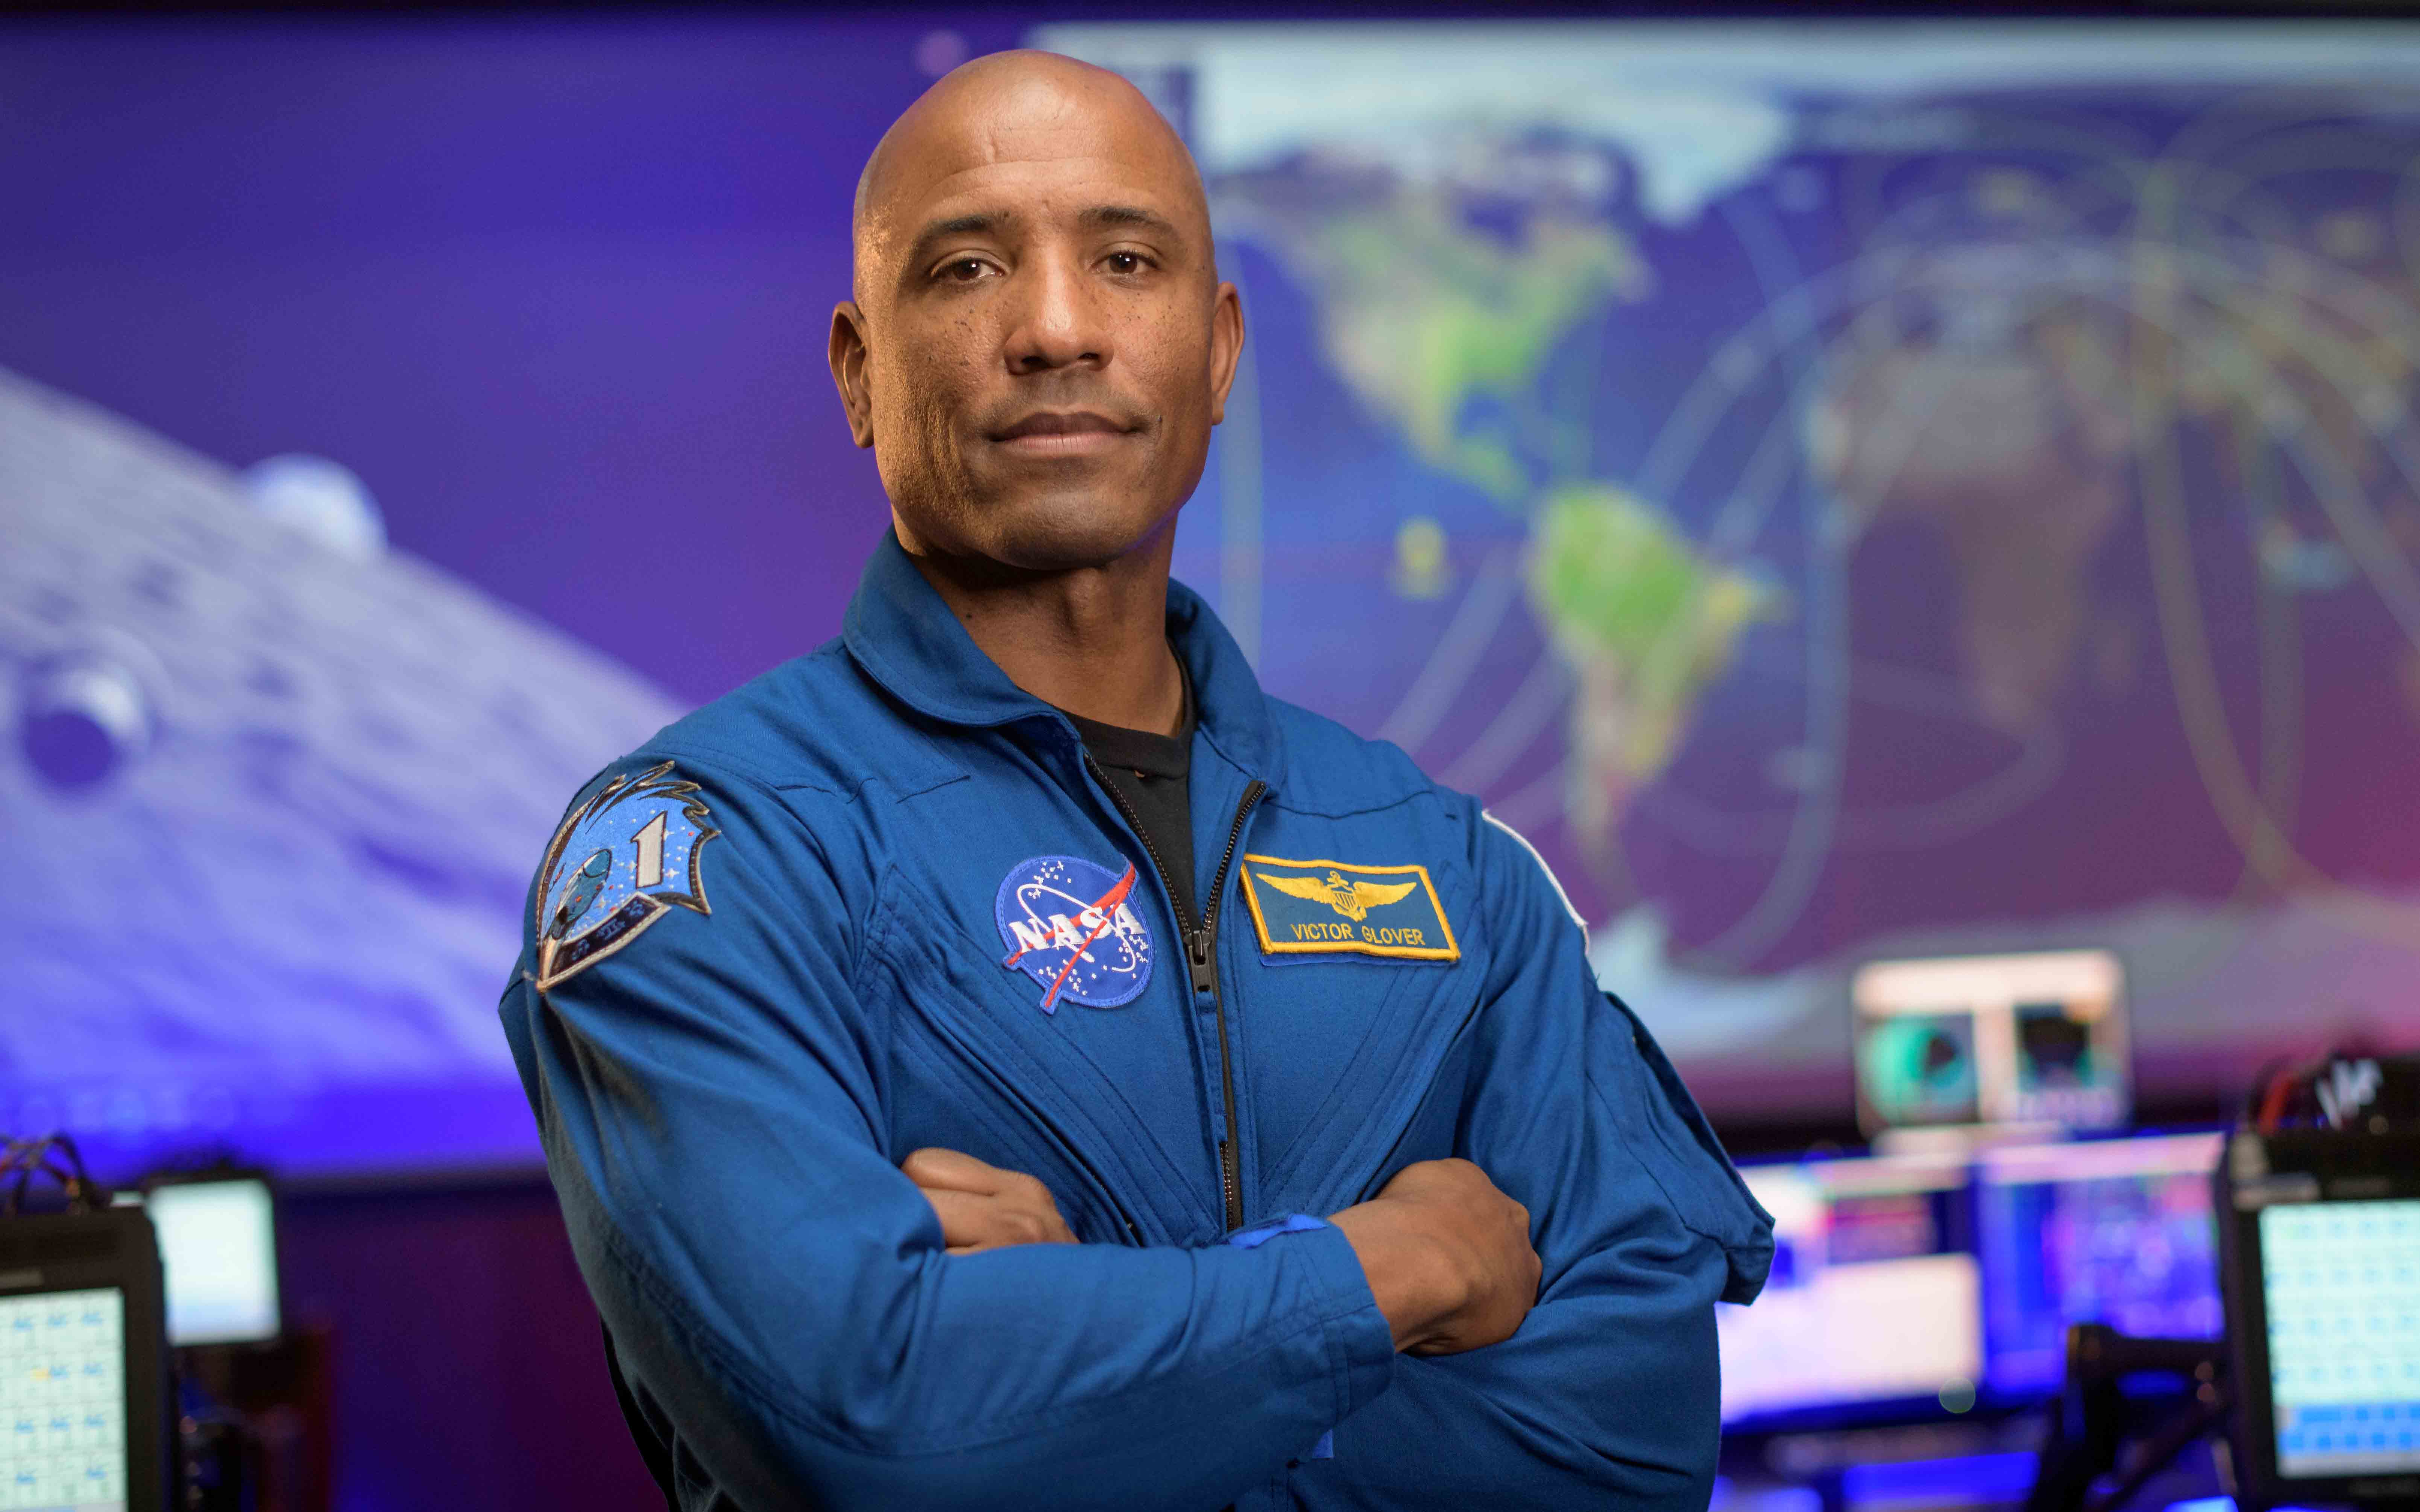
column 1261, row 1233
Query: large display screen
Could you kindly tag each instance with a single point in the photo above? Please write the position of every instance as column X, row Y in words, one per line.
column 2342, row 1285
column 63, row 1411
column 1842, row 491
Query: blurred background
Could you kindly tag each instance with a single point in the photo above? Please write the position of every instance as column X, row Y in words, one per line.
column 1917, row 518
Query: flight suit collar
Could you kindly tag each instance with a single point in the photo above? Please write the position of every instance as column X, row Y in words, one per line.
column 899, row 630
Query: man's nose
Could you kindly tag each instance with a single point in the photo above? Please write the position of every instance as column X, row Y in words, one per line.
column 1055, row 320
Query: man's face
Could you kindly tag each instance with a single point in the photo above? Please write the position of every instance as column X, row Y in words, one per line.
column 1043, row 344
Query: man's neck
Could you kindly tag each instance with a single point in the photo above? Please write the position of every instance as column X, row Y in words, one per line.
column 1093, row 640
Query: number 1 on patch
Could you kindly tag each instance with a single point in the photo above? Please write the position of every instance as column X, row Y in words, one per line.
column 650, row 841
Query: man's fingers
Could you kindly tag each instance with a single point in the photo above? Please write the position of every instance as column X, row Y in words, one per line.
column 967, row 1219
column 973, row 1221
column 950, row 1170
column 984, row 1206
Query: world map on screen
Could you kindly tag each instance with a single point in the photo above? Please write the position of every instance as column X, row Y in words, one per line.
column 1850, row 490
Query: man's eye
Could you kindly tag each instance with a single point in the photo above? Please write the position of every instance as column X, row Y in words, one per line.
column 1126, row 262
column 963, row 270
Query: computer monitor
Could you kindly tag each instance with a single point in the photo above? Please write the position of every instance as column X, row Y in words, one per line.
column 83, row 1367
column 1874, row 1307
column 2032, row 1037
column 2115, row 1231
column 2321, row 1253
column 218, row 1247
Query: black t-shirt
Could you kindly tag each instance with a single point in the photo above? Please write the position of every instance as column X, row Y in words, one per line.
column 1150, row 773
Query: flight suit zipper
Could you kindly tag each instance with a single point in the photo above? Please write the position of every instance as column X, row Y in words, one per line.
column 1202, row 960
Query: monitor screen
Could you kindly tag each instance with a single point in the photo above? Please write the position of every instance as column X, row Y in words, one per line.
column 2342, row 1284
column 1873, row 1297
column 2036, row 1038
column 63, row 1400
column 218, row 1248
column 2115, row 1231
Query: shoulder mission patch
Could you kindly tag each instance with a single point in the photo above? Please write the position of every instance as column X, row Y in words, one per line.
column 1338, row 908
column 621, row 861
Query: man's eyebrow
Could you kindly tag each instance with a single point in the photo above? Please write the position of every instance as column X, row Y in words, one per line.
column 978, row 223
column 1103, row 217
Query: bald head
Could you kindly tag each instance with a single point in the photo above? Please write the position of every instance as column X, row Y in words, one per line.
column 994, row 111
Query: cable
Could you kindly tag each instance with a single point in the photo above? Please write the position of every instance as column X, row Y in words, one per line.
column 29, row 1158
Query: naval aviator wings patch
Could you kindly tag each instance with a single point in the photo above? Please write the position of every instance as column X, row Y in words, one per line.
column 622, row 860
column 1338, row 907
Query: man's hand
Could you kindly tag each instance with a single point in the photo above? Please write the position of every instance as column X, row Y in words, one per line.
column 1447, row 1255
column 983, row 1207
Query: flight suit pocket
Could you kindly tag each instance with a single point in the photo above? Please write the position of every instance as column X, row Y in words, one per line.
column 1430, row 1131
column 1663, row 1127
column 977, row 1067
column 1396, row 1097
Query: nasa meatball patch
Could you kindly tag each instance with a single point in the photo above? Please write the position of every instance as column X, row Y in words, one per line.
column 624, row 859
column 1073, row 928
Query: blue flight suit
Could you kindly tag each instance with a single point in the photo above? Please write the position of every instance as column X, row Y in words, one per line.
column 878, row 898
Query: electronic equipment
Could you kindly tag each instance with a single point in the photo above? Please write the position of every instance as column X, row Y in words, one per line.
column 2110, row 1231
column 1874, row 1307
column 84, row 1416
column 218, row 1246
column 2355, row 1092
column 2034, row 1038
column 2093, row 1422
column 2319, row 1245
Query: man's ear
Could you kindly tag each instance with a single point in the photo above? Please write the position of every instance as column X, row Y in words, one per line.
column 848, row 354
column 1226, row 346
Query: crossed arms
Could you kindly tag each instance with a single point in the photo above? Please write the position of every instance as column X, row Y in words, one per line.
column 815, row 1325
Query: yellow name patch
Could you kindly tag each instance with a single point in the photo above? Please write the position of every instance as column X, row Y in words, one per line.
column 1335, row 907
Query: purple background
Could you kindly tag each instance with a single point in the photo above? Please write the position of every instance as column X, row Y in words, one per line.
column 535, row 282
column 538, row 282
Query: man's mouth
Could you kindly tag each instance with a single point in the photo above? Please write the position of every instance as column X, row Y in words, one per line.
column 1047, row 433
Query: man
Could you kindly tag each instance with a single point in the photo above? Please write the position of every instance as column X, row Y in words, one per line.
column 1004, row 1059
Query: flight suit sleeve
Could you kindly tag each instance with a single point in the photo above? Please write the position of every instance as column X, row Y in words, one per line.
column 710, row 1096
column 1609, row 1391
